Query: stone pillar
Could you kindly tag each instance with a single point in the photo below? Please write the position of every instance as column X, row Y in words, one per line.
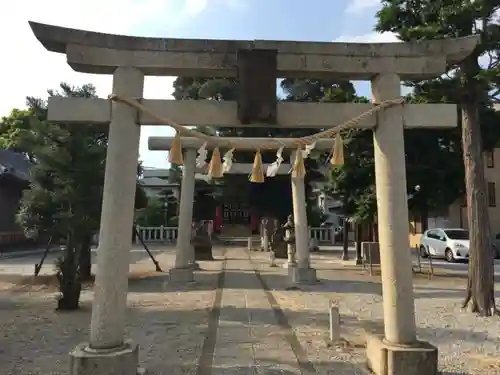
column 303, row 273
column 184, row 255
column 404, row 355
column 392, row 205
column 300, row 221
column 290, row 250
column 108, row 352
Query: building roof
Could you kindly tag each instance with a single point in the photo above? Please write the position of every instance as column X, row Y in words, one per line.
column 14, row 164
column 155, row 182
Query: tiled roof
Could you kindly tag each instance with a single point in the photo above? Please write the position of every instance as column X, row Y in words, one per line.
column 14, row 164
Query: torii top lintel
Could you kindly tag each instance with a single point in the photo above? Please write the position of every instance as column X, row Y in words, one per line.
column 99, row 53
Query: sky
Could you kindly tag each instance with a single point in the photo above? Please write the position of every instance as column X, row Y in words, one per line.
column 27, row 69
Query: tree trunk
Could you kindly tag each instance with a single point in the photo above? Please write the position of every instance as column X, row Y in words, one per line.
column 69, row 277
column 480, row 285
column 86, row 258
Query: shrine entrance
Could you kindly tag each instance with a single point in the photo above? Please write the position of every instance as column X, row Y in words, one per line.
column 236, row 213
column 256, row 64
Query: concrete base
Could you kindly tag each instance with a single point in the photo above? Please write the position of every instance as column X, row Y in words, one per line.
column 289, row 265
column 386, row 359
column 299, row 275
column 122, row 361
column 181, row 275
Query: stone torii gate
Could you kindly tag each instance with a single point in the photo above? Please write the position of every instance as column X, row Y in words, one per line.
column 129, row 59
column 183, row 271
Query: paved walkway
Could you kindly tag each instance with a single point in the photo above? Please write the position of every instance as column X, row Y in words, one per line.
column 253, row 337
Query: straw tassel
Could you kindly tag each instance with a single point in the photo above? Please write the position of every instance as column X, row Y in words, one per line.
column 215, row 167
column 175, row 154
column 338, row 151
column 299, row 169
column 257, row 169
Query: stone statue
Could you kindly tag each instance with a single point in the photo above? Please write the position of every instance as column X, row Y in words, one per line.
column 268, row 228
column 289, row 228
column 202, row 242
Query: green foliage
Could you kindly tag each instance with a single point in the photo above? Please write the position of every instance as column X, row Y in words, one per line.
column 66, row 182
column 15, row 132
column 316, row 217
column 159, row 210
column 141, row 199
column 153, row 215
column 67, row 179
column 353, row 183
column 175, row 174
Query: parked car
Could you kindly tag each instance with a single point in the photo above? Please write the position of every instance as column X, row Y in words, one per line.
column 450, row 244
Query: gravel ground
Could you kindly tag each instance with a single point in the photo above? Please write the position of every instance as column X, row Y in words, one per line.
column 467, row 344
column 170, row 324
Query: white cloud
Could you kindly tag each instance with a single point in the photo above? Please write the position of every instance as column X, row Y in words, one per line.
column 29, row 69
column 373, row 37
column 358, row 6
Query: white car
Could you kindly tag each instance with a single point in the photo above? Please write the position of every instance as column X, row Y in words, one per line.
column 450, row 244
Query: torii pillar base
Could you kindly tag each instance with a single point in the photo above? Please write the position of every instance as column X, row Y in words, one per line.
column 299, row 275
column 120, row 361
column 386, row 359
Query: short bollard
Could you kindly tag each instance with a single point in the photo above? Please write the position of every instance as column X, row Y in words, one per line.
column 334, row 322
column 249, row 244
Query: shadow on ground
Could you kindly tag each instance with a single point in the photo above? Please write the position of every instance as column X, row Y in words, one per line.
column 170, row 340
column 168, row 332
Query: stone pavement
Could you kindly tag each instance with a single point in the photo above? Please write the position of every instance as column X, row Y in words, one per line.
column 249, row 338
column 253, row 335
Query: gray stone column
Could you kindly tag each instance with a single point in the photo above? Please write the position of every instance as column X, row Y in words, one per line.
column 300, row 221
column 184, row 255
column 303, row 273
column 108, row 353
column 393, row 224
column 111, row 281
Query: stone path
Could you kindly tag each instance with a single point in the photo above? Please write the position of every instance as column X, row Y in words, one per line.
column 250, row 338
